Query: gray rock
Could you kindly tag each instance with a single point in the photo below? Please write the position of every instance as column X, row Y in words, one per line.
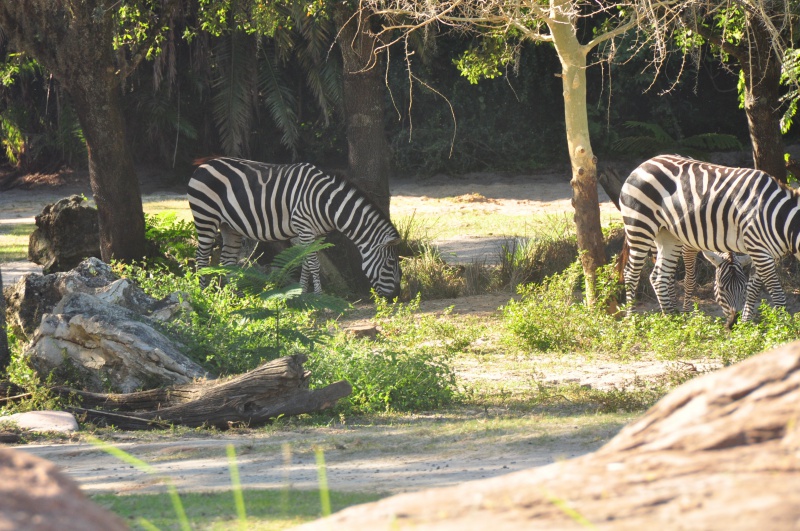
column 35, row 295
column 67, row 232
column 107, row 347
column 42, row 421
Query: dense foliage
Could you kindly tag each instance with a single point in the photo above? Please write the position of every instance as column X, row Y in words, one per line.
column 197, row 97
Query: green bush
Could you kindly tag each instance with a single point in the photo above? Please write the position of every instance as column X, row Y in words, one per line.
column 550, row 317
column 397, row 373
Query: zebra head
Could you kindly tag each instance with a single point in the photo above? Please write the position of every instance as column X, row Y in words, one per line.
column 730, row 282
column 381, row 264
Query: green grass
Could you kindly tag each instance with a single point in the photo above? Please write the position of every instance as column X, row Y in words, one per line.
column 451, row 223
column 14, row 241
column 266, row 509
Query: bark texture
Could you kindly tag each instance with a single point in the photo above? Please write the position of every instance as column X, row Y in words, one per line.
column 73, row 39
column 585, row 199
column 720, row 452
column 5, row 353
column 279, row 387
column 363, row 92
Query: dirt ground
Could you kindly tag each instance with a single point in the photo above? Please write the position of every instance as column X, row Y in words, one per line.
column 400, row 455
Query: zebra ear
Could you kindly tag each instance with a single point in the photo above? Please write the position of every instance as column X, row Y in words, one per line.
column 745, row 260
column 714, row 258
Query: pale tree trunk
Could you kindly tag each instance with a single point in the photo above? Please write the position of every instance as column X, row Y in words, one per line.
column 585, row 200
column 5, row 354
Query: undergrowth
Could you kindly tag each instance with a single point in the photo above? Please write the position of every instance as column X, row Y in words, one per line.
column 550, row 317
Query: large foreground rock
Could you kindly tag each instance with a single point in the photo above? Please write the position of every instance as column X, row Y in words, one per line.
column 34, row 495
column 720, row 452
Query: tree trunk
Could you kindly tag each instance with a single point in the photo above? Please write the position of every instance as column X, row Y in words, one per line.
column 585, row 199
column 113, row 178
column 74, row 40
column 368, row 157
column 5, row 353
column 762, row 74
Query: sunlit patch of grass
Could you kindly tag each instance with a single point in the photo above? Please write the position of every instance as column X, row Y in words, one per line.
column 266, row 509
column 14, row 241
column 167, row 205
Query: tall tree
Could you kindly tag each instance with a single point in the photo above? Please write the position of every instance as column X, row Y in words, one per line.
column 364, row 92
column 75, row 41
column 755, row 33
column 556, row 22
column 5, row 353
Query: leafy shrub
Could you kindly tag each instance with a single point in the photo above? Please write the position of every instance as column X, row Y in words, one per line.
column 524, row 260
column 428, row 275
column 171, row 237
column 398, row 373
column 550, row 317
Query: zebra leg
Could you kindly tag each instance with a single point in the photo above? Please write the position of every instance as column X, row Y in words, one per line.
column 690, row 280
column 753, row 294
column 633, row 270
column 231, row 245
column 766, row 276
column 662, row 277
column 202, row 258
column 310, row 267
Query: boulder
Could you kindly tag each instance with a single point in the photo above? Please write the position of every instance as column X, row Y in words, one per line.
column 719, row 452
column 106, row 347
column 44, row 421
column 35, row 495
column 67, row 232
column 35, row 295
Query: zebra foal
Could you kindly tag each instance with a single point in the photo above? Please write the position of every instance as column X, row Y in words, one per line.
column 670, row 202
column 279, row 202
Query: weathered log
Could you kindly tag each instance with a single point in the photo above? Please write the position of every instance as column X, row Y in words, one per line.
column 279, row 387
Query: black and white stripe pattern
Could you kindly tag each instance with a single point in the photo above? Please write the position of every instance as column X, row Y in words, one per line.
column 272, row 202
column 730, row 281
column 669, row 202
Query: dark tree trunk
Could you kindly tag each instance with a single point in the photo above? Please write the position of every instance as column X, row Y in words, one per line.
column 5, row 354
column 74, row 40
column 363, row 93
column 762, row 74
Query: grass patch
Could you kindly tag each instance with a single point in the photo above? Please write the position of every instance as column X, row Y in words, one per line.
column 14, row 241
column 266, row 509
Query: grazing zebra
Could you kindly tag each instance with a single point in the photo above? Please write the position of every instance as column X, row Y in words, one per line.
column 669, row 202
column 273, row 202
column 730, row 281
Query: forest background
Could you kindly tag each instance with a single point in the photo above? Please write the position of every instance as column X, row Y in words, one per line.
column 277, row 97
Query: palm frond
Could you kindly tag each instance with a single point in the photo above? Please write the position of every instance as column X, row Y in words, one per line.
column 232, row 101
column 280, row 101
column 712, row 142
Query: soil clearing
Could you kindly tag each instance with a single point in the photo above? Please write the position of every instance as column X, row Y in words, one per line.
column 395, row 455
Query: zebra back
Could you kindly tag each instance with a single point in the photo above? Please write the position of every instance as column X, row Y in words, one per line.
column 275, row 202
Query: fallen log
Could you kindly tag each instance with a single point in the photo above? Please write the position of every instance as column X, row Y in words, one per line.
column 276, row 388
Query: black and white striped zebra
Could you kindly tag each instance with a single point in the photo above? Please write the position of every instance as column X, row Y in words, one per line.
column 669, row 202
column 273, row 202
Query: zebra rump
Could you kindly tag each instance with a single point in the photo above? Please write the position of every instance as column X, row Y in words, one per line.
column 670, row 202
column 279, row 202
